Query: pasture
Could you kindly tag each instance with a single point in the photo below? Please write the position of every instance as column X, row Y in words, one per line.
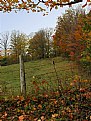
column 44, row 102
column 41, row 76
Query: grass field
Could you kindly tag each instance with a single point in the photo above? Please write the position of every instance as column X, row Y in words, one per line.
column 40, row 71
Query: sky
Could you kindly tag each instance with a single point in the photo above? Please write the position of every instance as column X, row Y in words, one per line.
column 29, row 22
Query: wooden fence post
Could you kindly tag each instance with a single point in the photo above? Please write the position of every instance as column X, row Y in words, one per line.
column 22, row 76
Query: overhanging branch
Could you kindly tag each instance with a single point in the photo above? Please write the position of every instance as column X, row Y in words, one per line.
column 33, row 6
column 63, row 4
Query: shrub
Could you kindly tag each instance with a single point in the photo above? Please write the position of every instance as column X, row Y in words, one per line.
column 3, row 61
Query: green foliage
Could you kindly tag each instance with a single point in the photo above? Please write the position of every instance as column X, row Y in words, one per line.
column 86, row 65
column 85, row 59
column 3, row 61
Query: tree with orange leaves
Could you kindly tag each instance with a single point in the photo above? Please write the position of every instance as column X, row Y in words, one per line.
column 69, row 36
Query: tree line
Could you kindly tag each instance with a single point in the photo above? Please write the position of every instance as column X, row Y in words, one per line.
column 32, row 47
column 71, row 39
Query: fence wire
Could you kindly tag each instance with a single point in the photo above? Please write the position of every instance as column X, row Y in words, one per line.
column 39, row 78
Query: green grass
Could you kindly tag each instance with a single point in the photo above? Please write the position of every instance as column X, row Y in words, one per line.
column 38, row 71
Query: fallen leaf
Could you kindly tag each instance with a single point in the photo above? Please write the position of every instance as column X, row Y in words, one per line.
column 21, row 118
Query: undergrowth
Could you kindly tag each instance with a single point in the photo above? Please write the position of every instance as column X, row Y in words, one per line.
column 70, row 104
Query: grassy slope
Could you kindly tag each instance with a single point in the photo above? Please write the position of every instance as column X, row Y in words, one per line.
column 37, row 71
column 72, row 105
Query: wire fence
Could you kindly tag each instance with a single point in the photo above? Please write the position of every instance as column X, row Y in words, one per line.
column 40, row 78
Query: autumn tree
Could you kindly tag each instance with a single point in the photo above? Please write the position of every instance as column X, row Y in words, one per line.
column 37, row 45
column 69, row 36
column 18, row 43
column 40, row 44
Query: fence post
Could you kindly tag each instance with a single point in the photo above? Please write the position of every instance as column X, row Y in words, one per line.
column 22, row 76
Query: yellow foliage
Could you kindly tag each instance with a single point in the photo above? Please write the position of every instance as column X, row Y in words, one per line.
column 39, row 106
column 65, row 0
column 89, row 34
column 54, row 115
column 15, row 1
column 8, row 1
column 1, row 57
column 88, row 58
column 77, row 35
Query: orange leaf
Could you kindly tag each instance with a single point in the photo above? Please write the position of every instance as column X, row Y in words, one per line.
column 42, row 118
column 5, row 114
column 33, row 10
column 21, row 118
column 21, row 98
column 15, row 1
column 88, row 0
column 54, row 115
column 47, row 3
column 40, row 106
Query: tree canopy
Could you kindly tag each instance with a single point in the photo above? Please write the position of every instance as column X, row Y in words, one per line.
column 35, row 6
